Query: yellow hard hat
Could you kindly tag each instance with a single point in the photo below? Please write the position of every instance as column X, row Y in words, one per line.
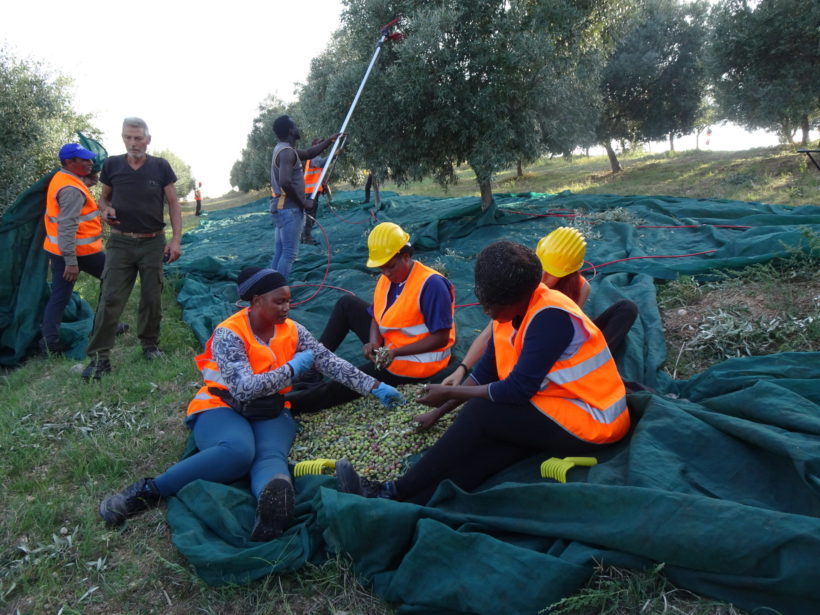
column 562, row 251
column 384, row 242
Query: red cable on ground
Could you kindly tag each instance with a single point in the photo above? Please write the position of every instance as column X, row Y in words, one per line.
column 550, row 215
column 631, row 258
column 692, row 226
column 327, row 269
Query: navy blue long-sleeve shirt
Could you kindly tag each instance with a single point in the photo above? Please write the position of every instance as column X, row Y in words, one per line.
column 547, row 337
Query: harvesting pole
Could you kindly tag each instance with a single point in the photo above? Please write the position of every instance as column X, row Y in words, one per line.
column 388, row 32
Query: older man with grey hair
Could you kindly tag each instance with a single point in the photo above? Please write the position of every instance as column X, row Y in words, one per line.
column 135, row 187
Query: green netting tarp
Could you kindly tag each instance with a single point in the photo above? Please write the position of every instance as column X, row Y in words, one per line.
column 719, row 479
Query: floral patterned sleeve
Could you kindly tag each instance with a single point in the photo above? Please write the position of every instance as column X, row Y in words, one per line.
column 229, row 353
column 332, row 366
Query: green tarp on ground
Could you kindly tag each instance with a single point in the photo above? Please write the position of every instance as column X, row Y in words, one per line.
column 719, row 479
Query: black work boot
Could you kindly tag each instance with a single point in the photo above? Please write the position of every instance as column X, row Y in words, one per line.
column 96, row 369
column 274, row 510
column 134, row 499
column 349, row 481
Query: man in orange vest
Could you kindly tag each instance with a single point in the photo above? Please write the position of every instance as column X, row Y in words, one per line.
column 73, row 237
column 313, row 170
column 408, row 331
column 198, row 199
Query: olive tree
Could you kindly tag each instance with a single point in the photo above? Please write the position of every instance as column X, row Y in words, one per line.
column 486, row 83
column 36, row 118
column 185, row 179
column 655, row 80
column 764, row 63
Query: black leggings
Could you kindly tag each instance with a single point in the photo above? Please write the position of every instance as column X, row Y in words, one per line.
column 615, row 322
column 349, row 314
column 485, row 438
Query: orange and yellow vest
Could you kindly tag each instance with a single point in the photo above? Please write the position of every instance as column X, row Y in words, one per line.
column 89, row 230
column 197, row 195
column 403, row 323
column 312, row 175
column 583, row 391
column 262, row 358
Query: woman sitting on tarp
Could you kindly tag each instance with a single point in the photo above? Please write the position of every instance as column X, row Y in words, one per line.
column 240, row 421
column 562, row 255
column 546, row 383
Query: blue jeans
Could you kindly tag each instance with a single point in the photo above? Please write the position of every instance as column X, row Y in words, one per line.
column 289, row 223
column 230, row 446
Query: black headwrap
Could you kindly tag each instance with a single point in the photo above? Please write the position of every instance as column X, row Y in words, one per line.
column 257, row 281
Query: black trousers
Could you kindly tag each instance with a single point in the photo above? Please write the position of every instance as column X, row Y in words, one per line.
column 485, row 438
column 349, row 314
column 615, row 322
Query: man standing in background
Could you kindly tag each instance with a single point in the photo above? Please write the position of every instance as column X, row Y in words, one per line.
column 198, row 199
column 135, row 187
column 288, row 202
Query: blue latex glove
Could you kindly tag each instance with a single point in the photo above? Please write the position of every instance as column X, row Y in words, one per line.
column 301, row 362
column 388, row 396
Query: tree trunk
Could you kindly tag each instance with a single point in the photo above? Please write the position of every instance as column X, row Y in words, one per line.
column 697, row 138
column 788, row 135
column 671, row 142
column 613, row 159
column 486, row 194
column 377, row 201
column 804, row 127
column 520, row 170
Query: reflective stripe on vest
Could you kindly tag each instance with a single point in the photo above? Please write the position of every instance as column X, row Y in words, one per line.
column 312, row 175
column 403, row 323
column 582, row 392
column 262, row 358
column 88, row 237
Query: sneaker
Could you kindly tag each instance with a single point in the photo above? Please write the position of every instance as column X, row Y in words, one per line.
column 349, row 481
column 274, row 511
column 134, row 499
column 122, row 328
column 152, row 353
column 96, row 369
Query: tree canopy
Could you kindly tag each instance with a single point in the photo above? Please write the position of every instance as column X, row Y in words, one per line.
column 36, row 118
column 487, row 82
column 252, row 170
column 764, row 63
column 654, row 82
column 185, row 179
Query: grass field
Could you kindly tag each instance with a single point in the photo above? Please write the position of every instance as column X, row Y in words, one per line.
column 66, row 443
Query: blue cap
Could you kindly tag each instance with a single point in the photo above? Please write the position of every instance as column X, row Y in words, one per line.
column 75, row 150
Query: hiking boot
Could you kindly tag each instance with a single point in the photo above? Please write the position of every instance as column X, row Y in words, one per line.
column 49, row 347
column 134, row 499
column 96, row 369
column 274, row 510
column 349, row 481
column 122, row 328
column 151, row 353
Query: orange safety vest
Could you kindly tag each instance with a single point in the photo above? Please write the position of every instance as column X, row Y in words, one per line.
column 262, row 358
column 312, row 175
column 403, row 323
column 89, row 230
column 583, row 391
column 197, row 195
